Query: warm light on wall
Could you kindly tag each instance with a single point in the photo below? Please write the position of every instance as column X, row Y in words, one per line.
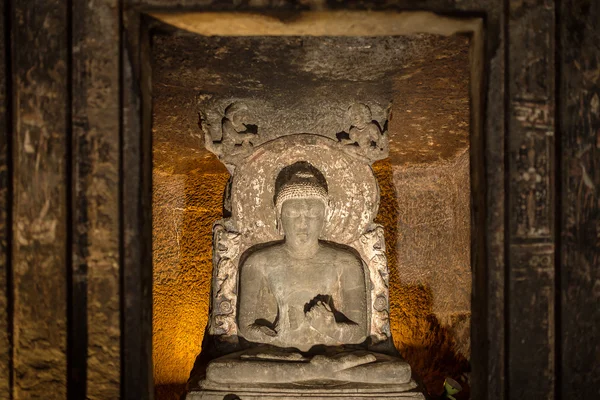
column 185, row 207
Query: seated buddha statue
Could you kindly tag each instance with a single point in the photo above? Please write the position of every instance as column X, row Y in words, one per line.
column 303, row 301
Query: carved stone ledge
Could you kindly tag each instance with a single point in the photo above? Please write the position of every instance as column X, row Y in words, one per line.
column 233, row 130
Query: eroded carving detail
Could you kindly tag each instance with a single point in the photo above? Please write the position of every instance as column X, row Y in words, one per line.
column 365, row 134
column 373, row 251
column 234, row 129
column 533, row 162
column 225, row 256
column 532, row 200
column 239, row 132
column 534, row 115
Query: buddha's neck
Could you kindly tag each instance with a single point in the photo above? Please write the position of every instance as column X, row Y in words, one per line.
column 303, row 252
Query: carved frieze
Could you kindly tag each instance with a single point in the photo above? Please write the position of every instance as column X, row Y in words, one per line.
column 364, row 136
column 532, row 199
column 226, row 251
column 372, row 248
column 234, row 128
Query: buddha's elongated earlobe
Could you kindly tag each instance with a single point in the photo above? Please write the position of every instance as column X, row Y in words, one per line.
column 279, row 226
column 328, row 211
column 328, row 215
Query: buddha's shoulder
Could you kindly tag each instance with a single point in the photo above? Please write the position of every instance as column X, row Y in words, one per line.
column 339, row 254
column 265, row 256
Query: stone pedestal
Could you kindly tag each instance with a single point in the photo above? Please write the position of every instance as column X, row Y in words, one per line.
column 313, row 389
column 319, row 390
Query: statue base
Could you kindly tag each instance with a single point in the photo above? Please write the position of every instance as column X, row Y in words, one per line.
column 267, row 372
column 326, row 390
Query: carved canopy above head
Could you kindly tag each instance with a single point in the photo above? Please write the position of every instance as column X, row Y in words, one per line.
column 353, row 189
column 233, row 130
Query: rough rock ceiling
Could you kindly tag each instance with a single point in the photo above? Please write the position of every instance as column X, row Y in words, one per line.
column 425, row 77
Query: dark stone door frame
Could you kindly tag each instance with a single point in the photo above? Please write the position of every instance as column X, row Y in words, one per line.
column 76, row 177
column 488, row 323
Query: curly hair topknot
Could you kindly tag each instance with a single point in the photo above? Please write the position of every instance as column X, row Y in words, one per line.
column 300, row 181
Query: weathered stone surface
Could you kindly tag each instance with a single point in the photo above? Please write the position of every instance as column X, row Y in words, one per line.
column 96, row 119
column 264, row 395
column 185, row 207
column 430, row 111
column 431, row 121
column 371, row 246
column 341, row 20
column 307, row 90
column 434, row 231
column 40, row 199
column 434, row 238
column 268, row 368
column 579, row 154
column 318, row 297
column 135, row 172
column 578, row 36
column 240, row 127
column 530, row 138
column 398, row 392
column 431, row 349
column 5, row 343
column 300, row 292
column 354, row 196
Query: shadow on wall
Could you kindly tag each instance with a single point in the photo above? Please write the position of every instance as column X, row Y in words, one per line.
column 429, row 348
column 185, row 207
column 170, row 392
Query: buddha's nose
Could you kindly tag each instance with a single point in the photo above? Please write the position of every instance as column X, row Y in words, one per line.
column 302, row 220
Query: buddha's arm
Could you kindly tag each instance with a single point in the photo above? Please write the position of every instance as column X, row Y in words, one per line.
column 354, row 304
column 254, row 313
column 345, row 322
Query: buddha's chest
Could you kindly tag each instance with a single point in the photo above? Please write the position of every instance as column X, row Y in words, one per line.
column 297, row 284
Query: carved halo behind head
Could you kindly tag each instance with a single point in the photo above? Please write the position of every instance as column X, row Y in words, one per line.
column 351, row 187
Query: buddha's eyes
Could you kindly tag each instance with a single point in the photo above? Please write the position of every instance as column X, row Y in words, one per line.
column 309, row 213
column 313, row 212
column 292, row 213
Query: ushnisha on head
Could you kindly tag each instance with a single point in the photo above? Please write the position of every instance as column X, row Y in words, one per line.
column 300, row 181
column 301, row 202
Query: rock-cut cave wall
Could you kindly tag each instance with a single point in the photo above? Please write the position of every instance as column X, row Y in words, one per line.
column 424, row 208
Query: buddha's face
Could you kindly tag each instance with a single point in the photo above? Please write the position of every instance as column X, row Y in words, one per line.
column 302, row 221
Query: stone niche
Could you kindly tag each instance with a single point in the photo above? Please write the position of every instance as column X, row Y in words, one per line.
column 417, row 89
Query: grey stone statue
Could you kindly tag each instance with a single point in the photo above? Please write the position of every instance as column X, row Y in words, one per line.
column 299, row 303
column 302, row 292
column 303, row 302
